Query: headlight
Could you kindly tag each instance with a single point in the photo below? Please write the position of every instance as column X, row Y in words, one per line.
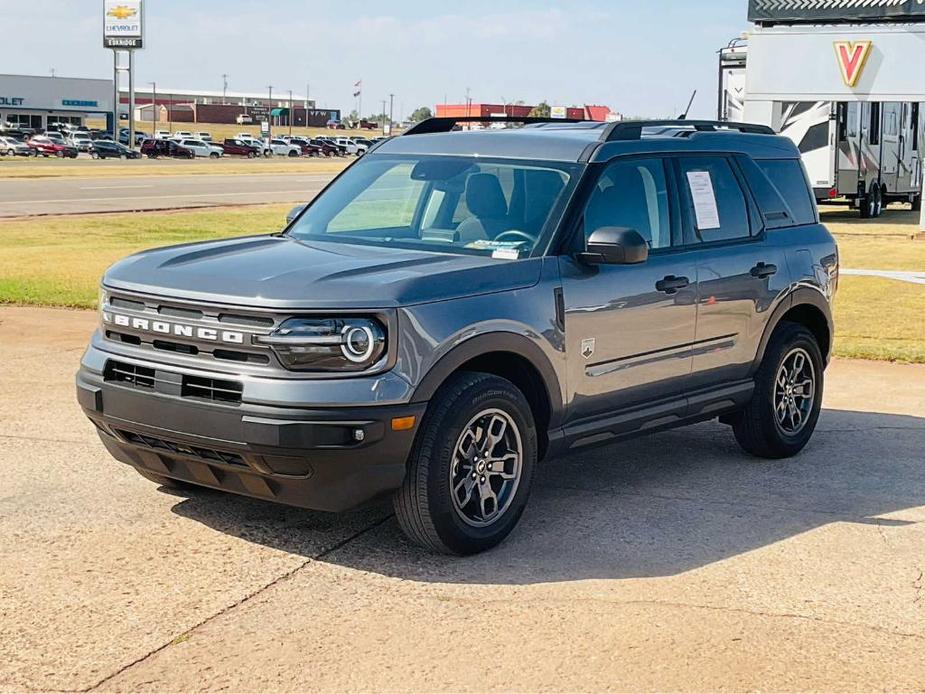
column 101, row 300
column 327, row 344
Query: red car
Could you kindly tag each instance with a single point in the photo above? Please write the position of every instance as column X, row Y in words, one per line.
column 49, row 148
column 308, row 149
column 326, row 148
column 240, row 148
column 165, row 148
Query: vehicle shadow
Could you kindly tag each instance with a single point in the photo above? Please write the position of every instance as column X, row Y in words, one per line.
column 648, row 507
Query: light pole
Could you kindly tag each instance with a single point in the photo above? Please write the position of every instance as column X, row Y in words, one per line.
column 391, row 104
column 290, row 113
column 270, row 115
column 154, row 113
column 224, row 89
column 383, row 118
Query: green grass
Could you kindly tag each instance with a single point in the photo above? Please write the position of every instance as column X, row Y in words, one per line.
column 58, row 261
column 880, row 319
column 888, row 243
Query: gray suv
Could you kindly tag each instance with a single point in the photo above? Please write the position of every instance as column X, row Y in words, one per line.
column 457, row 306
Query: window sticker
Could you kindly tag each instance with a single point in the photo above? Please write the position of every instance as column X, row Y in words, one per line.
column 704, row 197
column 504, row 250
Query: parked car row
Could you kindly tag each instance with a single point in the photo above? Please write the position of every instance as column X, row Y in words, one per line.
column 70, row 142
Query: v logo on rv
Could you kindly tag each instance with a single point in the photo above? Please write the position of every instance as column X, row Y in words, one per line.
column 852, row 57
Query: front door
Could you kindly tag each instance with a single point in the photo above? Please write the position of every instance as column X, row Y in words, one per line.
column 629, row 328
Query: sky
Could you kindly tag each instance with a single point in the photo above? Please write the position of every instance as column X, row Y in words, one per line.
column 640, row 57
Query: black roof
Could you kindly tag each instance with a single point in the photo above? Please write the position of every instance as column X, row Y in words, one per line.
column 586, row 141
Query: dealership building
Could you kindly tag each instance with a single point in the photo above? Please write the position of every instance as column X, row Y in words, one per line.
column 29, row 101
column 205, row 106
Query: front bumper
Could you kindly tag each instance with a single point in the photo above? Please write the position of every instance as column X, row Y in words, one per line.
column 327, row 459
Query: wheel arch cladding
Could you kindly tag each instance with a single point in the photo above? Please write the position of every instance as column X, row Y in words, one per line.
column 514, row 358
column 808, row 308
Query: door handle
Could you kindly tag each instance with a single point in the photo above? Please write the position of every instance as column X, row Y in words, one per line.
column 671, row 284
column 763, row 270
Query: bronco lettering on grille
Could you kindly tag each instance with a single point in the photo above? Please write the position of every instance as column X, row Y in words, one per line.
column 173, row 329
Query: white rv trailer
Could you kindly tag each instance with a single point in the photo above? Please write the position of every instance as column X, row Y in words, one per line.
column 838, row 91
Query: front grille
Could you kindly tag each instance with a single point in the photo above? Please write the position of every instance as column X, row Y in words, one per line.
column 213, row 389
column 205, row 454
column 141, row 314
column 130, row 374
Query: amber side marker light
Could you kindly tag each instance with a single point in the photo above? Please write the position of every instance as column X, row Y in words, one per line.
column 403, row 423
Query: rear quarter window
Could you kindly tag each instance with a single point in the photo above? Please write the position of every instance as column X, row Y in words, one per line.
column 787, row 176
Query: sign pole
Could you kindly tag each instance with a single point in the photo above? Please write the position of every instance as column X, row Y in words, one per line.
column 115, row 93
column 131, row 99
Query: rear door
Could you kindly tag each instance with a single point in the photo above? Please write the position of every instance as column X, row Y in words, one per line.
column 892, row 143
column 741, row 271
column 629, row 328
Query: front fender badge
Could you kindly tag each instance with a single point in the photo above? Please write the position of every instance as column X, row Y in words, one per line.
column 587, row 347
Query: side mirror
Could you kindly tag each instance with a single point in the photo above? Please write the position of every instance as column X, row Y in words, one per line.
column 615, row 246
column 293, row 213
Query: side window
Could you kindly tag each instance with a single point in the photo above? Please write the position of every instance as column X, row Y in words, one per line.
column 854, row 118
column 874, row 124
column 715, row 199
column 632, row 194
column 787, row 176
column 915, row 127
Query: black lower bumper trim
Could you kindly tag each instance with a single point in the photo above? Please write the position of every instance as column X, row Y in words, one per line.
column 329, row 460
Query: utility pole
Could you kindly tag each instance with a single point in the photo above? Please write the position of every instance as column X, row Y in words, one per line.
column 391, row 105
column 52, row 73
column 383, row 117
column 307, row 88
column 224, row 89
column 290, row 113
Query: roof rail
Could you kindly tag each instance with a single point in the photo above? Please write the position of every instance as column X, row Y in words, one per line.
column 446, row 124
column 632, row 130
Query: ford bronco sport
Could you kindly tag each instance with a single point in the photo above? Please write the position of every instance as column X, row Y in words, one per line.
column 457, row 306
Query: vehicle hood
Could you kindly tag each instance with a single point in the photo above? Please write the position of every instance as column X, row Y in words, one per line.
column 280, row 272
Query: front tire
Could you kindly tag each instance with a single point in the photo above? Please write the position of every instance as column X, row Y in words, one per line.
column 784, row 409
column 471, row 467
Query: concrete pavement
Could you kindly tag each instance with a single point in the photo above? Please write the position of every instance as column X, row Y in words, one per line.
column 672, row 562
column 42, row 196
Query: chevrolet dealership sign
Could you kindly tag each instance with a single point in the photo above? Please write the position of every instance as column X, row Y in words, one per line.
column 123, row 24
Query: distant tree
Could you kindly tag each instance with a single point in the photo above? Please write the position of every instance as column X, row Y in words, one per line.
column 541, row 110
column 422, row 113
column 352, row 117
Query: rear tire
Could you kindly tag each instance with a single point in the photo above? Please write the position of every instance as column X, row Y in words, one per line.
column 781, row 417
column 917, row 203
column 477, row 424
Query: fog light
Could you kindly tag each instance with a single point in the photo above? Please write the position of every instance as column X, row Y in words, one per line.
column 359, row 435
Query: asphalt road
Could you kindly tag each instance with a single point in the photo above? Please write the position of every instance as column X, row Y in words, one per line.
column 23, row 197
column 672, row 562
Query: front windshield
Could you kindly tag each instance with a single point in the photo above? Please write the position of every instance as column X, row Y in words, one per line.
column 445, row 204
